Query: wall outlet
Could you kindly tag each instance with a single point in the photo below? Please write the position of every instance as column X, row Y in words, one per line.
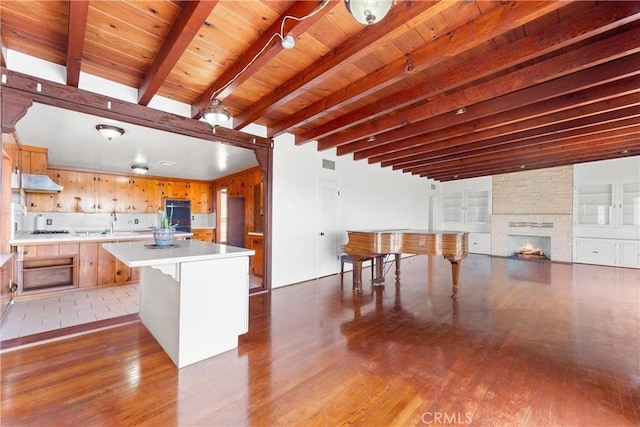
column 49, row 221
column 135, row 221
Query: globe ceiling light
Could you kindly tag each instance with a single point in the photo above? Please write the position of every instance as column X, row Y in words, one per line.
column 139, row 169
column 216, row 113
column 109, row 132
column 368, row 12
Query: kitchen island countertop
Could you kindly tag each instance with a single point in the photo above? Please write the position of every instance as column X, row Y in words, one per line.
column 141, row 254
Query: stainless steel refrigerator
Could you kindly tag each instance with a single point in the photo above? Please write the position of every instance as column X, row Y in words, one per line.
column 179, row 210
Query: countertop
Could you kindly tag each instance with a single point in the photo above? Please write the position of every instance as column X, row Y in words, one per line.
column 26, row 238
column 139, row 254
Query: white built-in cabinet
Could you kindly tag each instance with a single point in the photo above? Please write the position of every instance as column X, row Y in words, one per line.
column 480, row 243
column 606, row 212
column 465, row 205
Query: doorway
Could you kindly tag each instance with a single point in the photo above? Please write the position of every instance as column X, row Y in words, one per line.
column 329, row 232
column 235, row 221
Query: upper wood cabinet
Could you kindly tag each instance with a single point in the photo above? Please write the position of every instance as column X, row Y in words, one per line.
column 91, row 192
column 33, row 160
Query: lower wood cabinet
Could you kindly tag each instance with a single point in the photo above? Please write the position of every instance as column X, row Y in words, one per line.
column 256, row 243
column 204, row 234
column 50, row 267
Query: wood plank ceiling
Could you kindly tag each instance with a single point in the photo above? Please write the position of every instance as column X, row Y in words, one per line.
column 440, row 89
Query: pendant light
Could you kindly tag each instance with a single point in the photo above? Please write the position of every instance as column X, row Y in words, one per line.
column 216, row 113
column 368, row 12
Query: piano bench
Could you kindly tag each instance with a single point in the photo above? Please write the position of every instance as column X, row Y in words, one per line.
column 345, row 258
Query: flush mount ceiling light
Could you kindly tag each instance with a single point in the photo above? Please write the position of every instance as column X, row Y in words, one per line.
column 216, row 113
column 139, row 169
column 288, row 42
column 368, row 12
column 109, row 132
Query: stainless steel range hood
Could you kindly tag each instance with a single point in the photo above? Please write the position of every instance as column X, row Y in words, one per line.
column 32, row 183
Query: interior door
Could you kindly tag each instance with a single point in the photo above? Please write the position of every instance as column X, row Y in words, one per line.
column 235, row 206
column 328, row 228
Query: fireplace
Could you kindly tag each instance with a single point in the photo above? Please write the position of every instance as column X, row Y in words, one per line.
column 529, row 247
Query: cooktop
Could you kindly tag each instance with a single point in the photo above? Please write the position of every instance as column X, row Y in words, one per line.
column 50, row 232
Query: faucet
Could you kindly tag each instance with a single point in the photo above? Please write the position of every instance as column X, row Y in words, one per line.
column 112, row 218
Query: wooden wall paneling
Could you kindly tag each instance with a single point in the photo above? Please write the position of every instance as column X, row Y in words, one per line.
column 5, row 204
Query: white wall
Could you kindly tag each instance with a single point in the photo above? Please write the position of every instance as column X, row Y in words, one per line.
column 370, row 197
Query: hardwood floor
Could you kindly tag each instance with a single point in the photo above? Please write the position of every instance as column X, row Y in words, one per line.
column 535, row 344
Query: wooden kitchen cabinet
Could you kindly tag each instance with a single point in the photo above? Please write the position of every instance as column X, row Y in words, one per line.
column 201, row 197
column 88, row 264
column 204, row 234
column 33, row 160
column 256, row 243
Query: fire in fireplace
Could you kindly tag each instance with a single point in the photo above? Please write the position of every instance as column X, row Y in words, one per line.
column 529, row 251
column 529, row 247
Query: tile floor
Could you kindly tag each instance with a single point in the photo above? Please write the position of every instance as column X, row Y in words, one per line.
column 28, row 317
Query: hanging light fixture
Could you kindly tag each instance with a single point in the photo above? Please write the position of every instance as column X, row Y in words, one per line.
column 139, row 169
column 109, row 132
column 216, row 113
column 368, row 12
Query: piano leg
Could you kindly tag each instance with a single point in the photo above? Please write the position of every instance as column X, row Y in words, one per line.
column 379, row 262
column 455, row 272
column 398, row 258
column 357, row 274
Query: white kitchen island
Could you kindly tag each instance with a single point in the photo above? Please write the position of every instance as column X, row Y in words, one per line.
column 194, row 296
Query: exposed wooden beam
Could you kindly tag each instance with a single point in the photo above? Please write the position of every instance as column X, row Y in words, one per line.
column 75, row 99
column 485, row 27
column 408, row 121
column 3, row 52
column 547, row 162
column 583, row 26
column 255, row 58
column 184, row 29
column 624, row 139
column 591, row 125
column 529, row 111
column 78, row 12
column 385, row 30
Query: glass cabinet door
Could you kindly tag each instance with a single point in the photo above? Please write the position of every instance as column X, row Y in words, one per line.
column 594, row 204
column 477, row 206
column 631, row 203
column 452, row 206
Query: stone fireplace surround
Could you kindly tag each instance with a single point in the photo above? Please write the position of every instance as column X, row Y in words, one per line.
column 561, row 233
column 522, row 201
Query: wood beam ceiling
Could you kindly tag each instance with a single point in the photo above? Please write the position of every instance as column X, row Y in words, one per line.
column 261, row 52
column 184, row 29
column 78, row 11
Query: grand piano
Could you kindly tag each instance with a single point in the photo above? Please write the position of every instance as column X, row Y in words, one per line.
column 376, row 244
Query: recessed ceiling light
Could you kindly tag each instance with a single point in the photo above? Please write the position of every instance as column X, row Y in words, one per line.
column 460, row 110
column 371, row 138
column 522, row 166
column 624, row 152
column 166, row 163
